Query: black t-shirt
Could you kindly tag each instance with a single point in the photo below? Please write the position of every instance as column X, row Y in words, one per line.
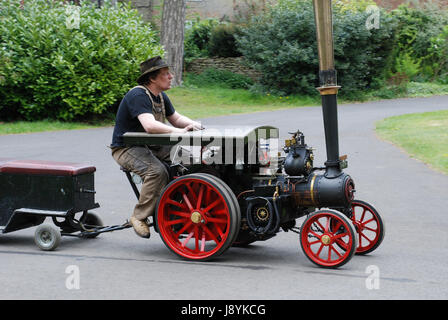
column 134, row 103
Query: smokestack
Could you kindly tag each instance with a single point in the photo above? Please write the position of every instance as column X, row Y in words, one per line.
column 328, row 84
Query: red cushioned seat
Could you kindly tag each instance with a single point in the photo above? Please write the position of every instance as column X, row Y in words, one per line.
column 44, row 167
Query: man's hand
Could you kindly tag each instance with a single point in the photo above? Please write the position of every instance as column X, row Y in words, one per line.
column 193, row 127
column 183, row 122
column 198, row 126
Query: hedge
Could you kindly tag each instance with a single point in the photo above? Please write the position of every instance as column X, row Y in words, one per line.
column 52, row 68
column 282, row 45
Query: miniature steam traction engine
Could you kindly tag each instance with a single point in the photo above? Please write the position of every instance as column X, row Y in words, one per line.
column 218, row 197
column 211, row 204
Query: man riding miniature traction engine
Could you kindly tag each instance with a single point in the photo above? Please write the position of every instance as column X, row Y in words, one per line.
column 145, row 108
column 206, row 207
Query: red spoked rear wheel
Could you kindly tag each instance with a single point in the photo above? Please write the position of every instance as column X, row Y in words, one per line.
column 328, row 238
column 369, row 225
column 196, row 217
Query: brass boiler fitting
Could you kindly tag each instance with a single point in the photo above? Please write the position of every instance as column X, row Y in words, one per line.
column 276, row 193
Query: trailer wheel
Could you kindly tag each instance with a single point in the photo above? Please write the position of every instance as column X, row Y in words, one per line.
column 196, row 217
column 369, row 226
column 328, row 238
column 47, row 237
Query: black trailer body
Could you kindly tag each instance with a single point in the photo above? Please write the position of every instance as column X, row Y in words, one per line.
column 32, row 190
column 33, row 187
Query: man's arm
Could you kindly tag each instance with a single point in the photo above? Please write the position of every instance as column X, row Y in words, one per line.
column 180, row 121
column 151, row 125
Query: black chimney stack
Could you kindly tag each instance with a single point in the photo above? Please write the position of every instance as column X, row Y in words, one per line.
column 328, row 84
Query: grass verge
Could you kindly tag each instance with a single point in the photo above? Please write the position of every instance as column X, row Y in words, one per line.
column 190, row 101
column 203, row 100
column 212, row 101
column 39, row 126
column 423, row 136
column 410, row 90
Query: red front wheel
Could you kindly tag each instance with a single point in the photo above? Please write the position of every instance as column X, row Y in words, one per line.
column 328, row 238
column 196, row 217
column 369, row 226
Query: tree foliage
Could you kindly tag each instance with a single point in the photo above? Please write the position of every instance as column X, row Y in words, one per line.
column 417, row 29
column 282, row 45
column 50, row 69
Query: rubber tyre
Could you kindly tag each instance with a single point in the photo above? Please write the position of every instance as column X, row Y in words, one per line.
column 339, row 241
column 208, row 217
column 369, row 226
column 47, row 237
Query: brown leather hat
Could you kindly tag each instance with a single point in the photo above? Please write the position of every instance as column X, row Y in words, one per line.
column 151, row 65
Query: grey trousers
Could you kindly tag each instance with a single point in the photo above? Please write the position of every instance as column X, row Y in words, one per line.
column 147, row 163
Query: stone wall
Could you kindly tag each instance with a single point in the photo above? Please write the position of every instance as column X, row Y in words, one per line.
column 234, row 65
column 228, row 8
column 220, row 9
column 210, row 8
column 392, row 4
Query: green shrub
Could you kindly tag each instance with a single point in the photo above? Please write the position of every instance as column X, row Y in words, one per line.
column 416, row 30
column 50, row 70
column 197, row 38
column 406, row 68
column 209, row 37
column 282, row 45
column 222, row 41
column 218, row 78
column 437, row 59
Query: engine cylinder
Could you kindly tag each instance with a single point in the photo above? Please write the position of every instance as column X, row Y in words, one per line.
column 320, row 191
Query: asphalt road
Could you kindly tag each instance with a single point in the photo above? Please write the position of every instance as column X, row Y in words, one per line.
column 411, row 197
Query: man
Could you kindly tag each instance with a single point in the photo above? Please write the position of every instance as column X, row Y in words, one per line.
column 144, row 109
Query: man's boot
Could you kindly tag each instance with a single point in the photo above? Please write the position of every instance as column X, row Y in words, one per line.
column 140, row 227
